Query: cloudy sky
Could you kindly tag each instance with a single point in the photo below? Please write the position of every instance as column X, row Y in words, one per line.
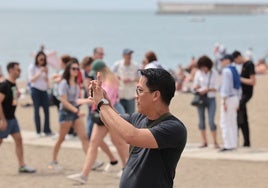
column 98, row 4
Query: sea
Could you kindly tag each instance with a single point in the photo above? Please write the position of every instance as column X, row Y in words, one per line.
column 174, row 38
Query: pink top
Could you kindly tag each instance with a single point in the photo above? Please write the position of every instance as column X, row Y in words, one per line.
column 112, row 92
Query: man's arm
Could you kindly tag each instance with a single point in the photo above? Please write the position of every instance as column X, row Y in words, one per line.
column 3, row 122
column 251, row 81
column 113, row 121
column 133, row 136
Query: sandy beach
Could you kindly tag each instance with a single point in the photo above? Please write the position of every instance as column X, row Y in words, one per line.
column 191, row 172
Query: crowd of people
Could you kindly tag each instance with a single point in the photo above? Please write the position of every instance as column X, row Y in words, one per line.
column 131, row 104
column 119, row 90
column 235, row 91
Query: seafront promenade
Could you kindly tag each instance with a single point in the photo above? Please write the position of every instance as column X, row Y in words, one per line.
column 191, row 150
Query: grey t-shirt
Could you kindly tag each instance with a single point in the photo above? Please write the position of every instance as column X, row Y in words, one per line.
column 72, row 92
column 155, row 167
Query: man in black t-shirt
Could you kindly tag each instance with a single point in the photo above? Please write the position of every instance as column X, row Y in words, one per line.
column 157, row 138
column 8, row 123
column 247, row 81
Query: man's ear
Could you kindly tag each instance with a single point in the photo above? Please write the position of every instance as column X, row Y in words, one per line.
column 156, row 95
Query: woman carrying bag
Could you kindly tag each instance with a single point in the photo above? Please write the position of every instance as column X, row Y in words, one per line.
column 206, row 83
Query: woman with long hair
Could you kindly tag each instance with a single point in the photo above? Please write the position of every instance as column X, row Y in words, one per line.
column 38, row 78
column 69, row 114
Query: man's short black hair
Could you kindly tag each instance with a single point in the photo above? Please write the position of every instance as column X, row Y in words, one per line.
column 236, row 54
column 11, row 65
column 160, row 80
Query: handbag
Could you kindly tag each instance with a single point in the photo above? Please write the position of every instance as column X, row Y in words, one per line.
column 200, row 100
column 95, row 116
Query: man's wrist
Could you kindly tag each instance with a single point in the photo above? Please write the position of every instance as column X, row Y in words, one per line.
column 103, row 101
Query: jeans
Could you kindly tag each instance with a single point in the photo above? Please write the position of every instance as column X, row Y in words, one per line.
column 66, row 115
column 129, row 105
column 40, row 99
column 12, row 128
column 119, row 108
column 211, row 106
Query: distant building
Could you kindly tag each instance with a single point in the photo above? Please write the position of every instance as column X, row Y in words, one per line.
column 212, row 8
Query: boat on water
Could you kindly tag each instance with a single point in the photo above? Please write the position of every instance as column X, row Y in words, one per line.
column 197, row 19
column 212, row 8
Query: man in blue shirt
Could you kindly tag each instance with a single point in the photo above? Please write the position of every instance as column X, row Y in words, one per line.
column 230, row 93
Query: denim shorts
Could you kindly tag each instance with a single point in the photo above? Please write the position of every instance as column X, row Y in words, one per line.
column 12, row 128
column 66, row 115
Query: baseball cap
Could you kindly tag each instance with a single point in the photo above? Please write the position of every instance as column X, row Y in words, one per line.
column 127, row 51
column 96, row 66
column 227, row 56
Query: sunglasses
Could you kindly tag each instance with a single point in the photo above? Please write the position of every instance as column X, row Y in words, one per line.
column 75, row 68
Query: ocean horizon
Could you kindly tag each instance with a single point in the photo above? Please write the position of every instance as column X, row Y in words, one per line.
column 174, row 38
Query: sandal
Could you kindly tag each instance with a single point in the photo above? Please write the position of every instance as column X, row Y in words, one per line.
column 203, row 146
column 216, row 146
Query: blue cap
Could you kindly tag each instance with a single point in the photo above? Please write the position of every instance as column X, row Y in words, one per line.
column 127, row 51
column 227, row 56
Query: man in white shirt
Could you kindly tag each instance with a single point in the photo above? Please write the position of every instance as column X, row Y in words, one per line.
column 230, row 92
column 127, row 72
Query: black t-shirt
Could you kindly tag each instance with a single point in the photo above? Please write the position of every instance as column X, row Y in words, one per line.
column 155, row 167
column 248, row 69
column 9, row 103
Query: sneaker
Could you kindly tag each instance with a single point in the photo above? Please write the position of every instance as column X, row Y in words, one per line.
column 80, row 178
column 68, row 137
column 54, row 166
column 49, row 134
column 38, row 135
column 225, row 149
column 111, row 167
column 97, row 165
column 26, row 169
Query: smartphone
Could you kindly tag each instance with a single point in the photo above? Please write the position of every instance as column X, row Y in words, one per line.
column 91, row 92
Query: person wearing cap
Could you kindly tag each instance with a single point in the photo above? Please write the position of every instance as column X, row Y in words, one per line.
column 127, row 72
column 230, row 92
column 248, row 81
column 111, row 86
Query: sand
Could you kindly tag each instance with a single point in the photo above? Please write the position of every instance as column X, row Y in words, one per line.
column 207, row 173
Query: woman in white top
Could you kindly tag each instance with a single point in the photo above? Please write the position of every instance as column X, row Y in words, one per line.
column 38, row 78
column 206, row 83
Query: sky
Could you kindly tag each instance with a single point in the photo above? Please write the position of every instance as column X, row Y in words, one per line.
column 100, row 4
